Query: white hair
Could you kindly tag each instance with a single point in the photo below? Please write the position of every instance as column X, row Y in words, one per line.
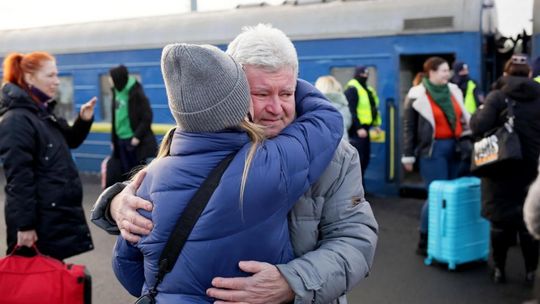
column 265, row 47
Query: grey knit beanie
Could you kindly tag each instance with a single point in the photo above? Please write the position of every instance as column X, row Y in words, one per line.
column 207, row 90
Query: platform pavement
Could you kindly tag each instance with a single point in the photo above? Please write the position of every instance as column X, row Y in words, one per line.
column 398, row 274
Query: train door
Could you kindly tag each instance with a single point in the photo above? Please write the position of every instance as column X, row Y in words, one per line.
column 379, row 67
column 410, row 183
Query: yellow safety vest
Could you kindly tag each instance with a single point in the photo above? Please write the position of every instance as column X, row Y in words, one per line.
column 537, row 79
column 363, row 109
column 470, row 100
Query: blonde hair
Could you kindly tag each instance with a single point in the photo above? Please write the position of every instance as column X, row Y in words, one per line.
column 255, row 133
column 328, row 84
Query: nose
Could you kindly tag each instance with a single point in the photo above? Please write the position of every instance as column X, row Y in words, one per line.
column 274, row 105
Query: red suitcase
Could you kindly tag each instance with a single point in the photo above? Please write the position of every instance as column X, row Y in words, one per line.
column 42, row 279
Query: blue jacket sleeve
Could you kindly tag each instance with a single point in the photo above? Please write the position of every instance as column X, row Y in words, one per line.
column 307, row 145
column 128, row 266
column 318, row 129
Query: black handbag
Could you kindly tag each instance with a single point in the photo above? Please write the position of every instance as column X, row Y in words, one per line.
column 498, row 149
column 184, row 226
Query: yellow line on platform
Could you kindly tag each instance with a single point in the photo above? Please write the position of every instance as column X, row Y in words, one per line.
column 105, row 127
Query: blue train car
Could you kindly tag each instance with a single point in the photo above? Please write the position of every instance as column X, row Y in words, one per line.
column 393, row 38
column 536, row 29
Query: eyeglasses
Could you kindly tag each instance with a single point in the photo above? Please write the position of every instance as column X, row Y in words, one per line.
column 519, row 59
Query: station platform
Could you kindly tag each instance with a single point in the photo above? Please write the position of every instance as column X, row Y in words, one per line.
column 398, row 274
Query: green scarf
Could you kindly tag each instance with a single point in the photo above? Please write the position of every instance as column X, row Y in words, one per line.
column 441, row 96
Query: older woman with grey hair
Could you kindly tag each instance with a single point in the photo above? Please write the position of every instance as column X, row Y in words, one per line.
column 331, row 88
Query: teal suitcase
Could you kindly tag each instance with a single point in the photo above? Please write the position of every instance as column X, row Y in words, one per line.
column 457, row 233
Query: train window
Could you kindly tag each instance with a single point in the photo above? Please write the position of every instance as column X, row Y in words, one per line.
column 64, row 100
column 344, row 74
column 106, row 95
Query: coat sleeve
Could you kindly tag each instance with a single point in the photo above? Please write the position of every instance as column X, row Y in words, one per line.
column 348, row 237
column 76, row 134
column 128, row 266
column 100, row 214
column 308, row 144
column 410, row 126
column 18, row 148
column 145, row 114
column 531, row 208
column 487, row 116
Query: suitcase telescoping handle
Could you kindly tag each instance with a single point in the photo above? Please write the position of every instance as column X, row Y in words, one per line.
column 443, row 218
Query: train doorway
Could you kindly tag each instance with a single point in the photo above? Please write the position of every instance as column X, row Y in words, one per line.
column 410, row 183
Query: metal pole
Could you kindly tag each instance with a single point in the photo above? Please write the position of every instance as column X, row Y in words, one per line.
column 193, row 5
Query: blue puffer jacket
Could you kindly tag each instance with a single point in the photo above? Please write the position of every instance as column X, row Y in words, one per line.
column 282, row 170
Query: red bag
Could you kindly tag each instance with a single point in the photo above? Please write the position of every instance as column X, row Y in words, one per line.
column 42, row 279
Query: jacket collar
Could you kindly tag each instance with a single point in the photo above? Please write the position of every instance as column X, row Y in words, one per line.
column 12, row 96
column 422, row 105
column 185, row 143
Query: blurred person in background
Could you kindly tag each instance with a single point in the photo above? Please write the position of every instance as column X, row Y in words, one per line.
column 331, row 88
column 43, row 189
column 504, row 191
column 434, row 119
column 469, row 88
column 364, row 107
column 132, row 138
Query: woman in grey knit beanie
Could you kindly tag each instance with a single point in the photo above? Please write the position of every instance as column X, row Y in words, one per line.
column 246, row 216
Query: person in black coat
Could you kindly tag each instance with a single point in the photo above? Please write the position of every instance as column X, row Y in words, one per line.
column 43, row 191
column 504, row 191
column 133, row 141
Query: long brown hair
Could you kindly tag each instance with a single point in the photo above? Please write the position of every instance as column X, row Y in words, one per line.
column 17, row 64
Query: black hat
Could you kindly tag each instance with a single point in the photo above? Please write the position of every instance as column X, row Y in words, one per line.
column 458, row 66
column 360, row 70
column 119, row 76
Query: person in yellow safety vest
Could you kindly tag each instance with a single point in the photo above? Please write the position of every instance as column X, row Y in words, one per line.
column 364, row 107
column 536, row 69
column 471, row 96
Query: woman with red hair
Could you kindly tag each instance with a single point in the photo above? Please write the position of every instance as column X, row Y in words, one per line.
column 43, row 191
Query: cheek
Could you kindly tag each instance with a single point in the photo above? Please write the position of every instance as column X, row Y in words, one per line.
column 256, row 111
column 290, row 111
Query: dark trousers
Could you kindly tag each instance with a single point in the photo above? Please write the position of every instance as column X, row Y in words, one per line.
column 503, row 236
column 363, row 146
column 443, row 164
column 127, row 154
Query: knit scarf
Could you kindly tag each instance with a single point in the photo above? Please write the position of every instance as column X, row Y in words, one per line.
column 441, row 95
column 124, row 93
